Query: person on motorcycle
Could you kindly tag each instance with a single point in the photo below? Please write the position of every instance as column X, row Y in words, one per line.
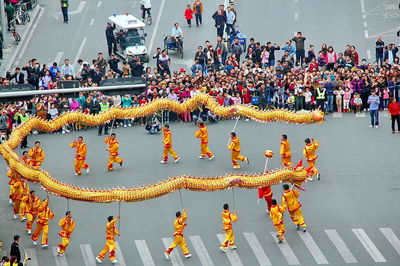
column 177, row 34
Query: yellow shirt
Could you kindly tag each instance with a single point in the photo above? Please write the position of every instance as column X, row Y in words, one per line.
column 67, row 227
column 33, row 205
column 285, row 149
column 180, row 224
column 167, row 138
column 81, row 150
column 227, row 219
column 276, row 214
column 202, row 133
column 37, row 155
column 113, row 146
column 309, row 151
column 289, row 200
column 235, row 144
column 45, row 214
column 111, row 229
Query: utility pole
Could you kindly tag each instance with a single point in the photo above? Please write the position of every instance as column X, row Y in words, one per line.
column 3, row 23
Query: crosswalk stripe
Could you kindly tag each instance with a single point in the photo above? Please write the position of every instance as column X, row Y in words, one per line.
column 313, row 248
column 176, row 260
column 232, row 255
column 337, row 115
column 201, row 251
column 257, row 249
column 368, row 245
column 144, row 252
column 286, row 251
column 341, row 246
column 87, row 255
column 392, row 238
column 60, row 261
column 119, row 256
column 32, row 254
column 360, row 114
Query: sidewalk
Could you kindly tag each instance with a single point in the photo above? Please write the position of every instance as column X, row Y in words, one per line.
column 11, row 51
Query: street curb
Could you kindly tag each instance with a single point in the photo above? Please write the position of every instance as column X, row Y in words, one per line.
column 25, row 33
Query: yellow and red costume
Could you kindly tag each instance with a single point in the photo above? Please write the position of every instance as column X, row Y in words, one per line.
column 234, row 146
column 67, row 225
column 113, row 146
column 13, row 178
column 80, row 156
column 42, row 224
column 37, row 156
column 309, row 153
column 17, row 192
column 286, row 153
column 276, row 215
column 24, row 201
column 179, row 226
column 227, row 219
column 32, row 210
column 111, row 231
column 167, row 141
column 266, row 193
column 290, row 202
column 202, row 134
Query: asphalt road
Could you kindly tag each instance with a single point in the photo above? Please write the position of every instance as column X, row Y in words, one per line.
column 351, row 203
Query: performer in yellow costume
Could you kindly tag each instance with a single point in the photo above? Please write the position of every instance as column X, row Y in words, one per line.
column 24, row 201
column 25, row 158
column 202, row 134
column 111, row 231
column 167, row 141
column 290, row 202
column 37, row 155
column 285, row 152
column 32, row 210
column 113, row 146
column 276, row 215
column 67, row 225
column 42, row 224
column 309, row 152
column 227, row 219
column 17, row 192
column 234, row 146
column 80, row 156
column 179, row 227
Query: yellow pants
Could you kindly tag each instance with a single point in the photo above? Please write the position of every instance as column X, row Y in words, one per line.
column 22, row 208
column 63, row 245
column 179, row 240
column 311, row 166
column 204, row 150
column 229, row 239
column 237, row 156
column 109, row 246
column 31, row 218
column 39, row 229
column 79, row 164
column 17, row 204
column 111, row 160
column 170, row 151
column 280, row 229
column 297, row 217
column 287, row 161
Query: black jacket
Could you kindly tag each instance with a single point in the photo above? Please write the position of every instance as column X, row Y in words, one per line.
column 15, row 251
column 19, row 79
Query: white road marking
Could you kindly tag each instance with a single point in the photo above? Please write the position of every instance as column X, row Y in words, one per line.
column 337, row 115
column 58, row 57
column 232, row 255
column 286, row 251
column 296, row 0
column 362, row 6
column 368, row 245
column 79, row 10
column 341, row 246
column 144, row 252
column 369, row 54
column 91, row 22
column 80, row 50
column 364, row 16
column 87, row 255
column 296, row 16
column 60, row 261
column 118, row 254
column 201, row 251
column 362, row 114
column 313, row 248
column 366, row 33
column 153, row 36
column 392, row 238
column 174, row 256
column 99, row 4
column 257, row 249
column 32, row 254
column 365, row 24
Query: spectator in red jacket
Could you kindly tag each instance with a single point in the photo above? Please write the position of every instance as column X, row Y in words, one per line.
column 394, row 111
column 189, row 15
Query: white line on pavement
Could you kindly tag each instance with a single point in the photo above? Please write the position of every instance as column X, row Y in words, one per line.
column 313, row 248
column 144, row 252
column 369, row 54
column 58, row 57
column 362, row 6
column 91, row 22
column 80, row 50
column 296, row 16
column 341, row 246
column 87, row 255
column 296, row 0
column 176, row 260
column 392, row 238
column 366, row 34
column 257, row 249
column 119, row 256
column 368, row 245
column 232, row 255
column 99, row 4
column 365, row 24
column 60, row 261
column 201, row 251
column 80, row 8
column 364, row 16
column 153, row 36
column 32, row 254
column 286, row 251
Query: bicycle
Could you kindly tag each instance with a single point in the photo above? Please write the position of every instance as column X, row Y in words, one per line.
column 22, row 13
column 149, row 19
column 17, row 37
